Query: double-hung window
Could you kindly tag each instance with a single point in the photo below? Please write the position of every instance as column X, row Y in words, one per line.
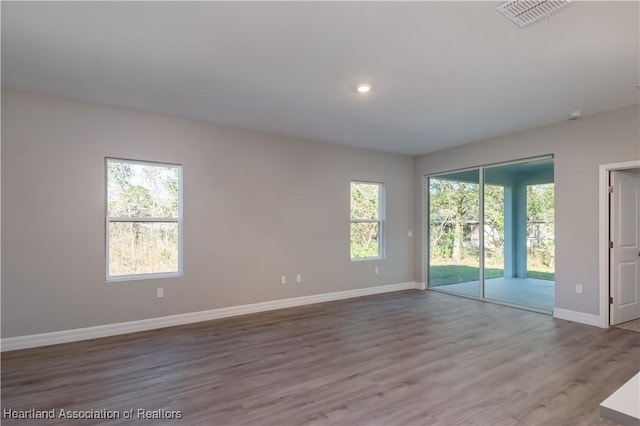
column 367, row 220
column 143, row 219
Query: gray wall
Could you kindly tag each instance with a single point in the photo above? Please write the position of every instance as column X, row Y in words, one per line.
column 579, row 147
column 255, row 206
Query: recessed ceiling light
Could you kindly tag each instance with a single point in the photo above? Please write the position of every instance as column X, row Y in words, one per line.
column 363, row 88
column 574, row 115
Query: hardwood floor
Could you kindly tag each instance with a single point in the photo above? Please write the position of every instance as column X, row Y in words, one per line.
column 631, row 325
column 406, row 358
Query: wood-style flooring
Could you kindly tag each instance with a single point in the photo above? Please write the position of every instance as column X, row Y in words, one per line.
column 631, row 325
column 406, row 358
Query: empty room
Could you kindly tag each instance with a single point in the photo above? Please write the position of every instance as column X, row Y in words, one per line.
column 320, row 213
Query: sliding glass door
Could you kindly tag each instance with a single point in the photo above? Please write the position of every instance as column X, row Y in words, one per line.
column 491, row 233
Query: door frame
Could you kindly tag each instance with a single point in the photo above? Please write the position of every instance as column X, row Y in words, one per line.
column 603, row 239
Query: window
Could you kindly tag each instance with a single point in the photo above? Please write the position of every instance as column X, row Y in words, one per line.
column 143, row 220
column 367, row 220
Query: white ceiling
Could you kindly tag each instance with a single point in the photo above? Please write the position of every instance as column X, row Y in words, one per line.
column 443, row 73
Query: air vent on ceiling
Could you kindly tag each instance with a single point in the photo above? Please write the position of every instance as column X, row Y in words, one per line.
column 526, row 12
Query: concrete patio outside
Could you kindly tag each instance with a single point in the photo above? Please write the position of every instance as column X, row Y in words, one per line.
column 529, row 292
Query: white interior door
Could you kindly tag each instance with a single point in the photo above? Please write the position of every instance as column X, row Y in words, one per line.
column 625, row 254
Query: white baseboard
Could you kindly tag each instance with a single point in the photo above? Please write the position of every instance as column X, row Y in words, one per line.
column 580, row 317
column 65, row 336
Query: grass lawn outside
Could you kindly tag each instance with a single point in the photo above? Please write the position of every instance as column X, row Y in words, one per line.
column 453, row 274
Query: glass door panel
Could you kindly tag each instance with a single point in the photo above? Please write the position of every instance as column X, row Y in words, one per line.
column 454, row 232
column 518, row 234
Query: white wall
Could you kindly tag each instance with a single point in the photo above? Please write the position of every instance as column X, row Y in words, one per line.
column 579, row 147
column 256, row 206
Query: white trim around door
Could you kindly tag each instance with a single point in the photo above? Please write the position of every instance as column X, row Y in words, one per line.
column 603, row 232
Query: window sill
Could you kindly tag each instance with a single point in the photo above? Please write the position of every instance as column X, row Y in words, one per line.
column 364, row 259
column 139, row 277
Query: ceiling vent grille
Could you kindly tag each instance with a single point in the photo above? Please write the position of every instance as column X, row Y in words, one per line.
column 526, row 12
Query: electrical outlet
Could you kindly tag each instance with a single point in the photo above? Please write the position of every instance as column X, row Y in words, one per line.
column 299, row 278
column 579, row 288
column 376, row 270
column 410, row 234
column 160, row 292
column 283, row 280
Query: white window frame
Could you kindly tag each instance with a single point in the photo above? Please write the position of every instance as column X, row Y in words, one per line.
column 380, row 221
column 112, row 219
